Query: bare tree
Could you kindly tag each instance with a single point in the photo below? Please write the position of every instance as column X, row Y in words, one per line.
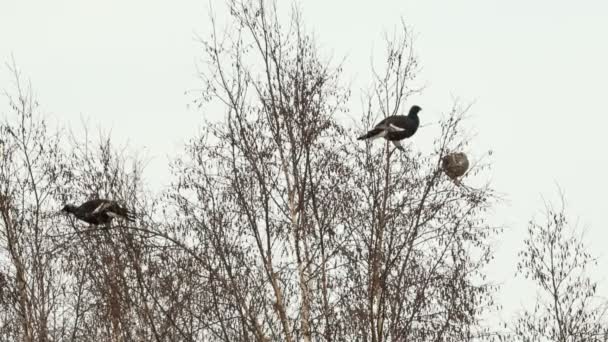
column 264, row 178
column 105, row 262
column 59, row 278
column 305, row 235
column 417, row 243
column 567, row 308
column 30, row 167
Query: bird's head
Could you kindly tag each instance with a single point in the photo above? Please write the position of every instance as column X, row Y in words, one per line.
column 68, row 208
column 414, row 110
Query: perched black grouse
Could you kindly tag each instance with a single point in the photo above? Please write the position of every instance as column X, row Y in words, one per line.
column 395, row 127
column 99, row 211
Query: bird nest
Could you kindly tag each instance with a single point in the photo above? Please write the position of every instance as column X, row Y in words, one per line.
column 455, row 165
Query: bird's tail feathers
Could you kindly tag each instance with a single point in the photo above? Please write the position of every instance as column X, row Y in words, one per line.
column 130, row 216
column 123, row 213
column 373, row 134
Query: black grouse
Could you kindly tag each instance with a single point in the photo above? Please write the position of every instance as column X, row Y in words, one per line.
column 395, row 127
column 99, row 211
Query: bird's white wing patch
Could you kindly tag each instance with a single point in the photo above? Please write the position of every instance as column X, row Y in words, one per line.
column 395, row 128
column 101, row 207
column 112, row 214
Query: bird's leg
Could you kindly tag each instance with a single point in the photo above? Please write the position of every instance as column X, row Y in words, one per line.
column 397, row 144
column 389, row 151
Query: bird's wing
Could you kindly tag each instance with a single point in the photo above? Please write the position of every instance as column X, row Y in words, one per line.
column 402, row 122
column 382, row 124
column 113, row 214
column 117, row 209
column 102, row 207
column 394, row 123
column 395, row 128
column 90, row 205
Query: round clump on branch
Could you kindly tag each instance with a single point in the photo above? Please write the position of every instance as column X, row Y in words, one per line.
column 455, row 164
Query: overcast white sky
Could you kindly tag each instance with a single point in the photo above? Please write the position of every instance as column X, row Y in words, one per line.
column 538, row 71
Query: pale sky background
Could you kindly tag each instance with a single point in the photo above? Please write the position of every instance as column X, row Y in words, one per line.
column 537, row 71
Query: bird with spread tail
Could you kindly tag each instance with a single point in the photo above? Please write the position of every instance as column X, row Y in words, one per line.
column 395, row 128
column 99, row 211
